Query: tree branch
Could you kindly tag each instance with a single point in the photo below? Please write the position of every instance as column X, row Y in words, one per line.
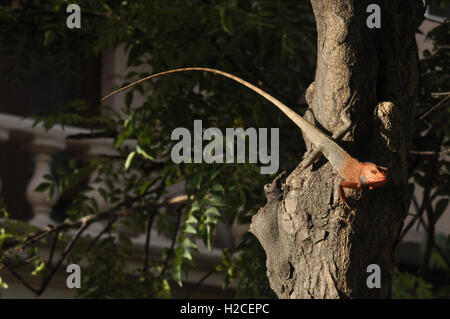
column 18, row 277
column 104, row 230
column 198, row 284
column 447, row 151
column 50, row 257
column 63, row 256
column 434, row 107
column 89, row 219
column 172, row 245
column 147, row 243
column 426, row 194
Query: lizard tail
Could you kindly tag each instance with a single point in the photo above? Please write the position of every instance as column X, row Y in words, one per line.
column 290, row 113
column 329, row 148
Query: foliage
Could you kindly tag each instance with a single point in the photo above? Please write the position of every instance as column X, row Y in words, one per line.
column 429, row 168
column 268, row 43
column 429, row 164
column 407, row 286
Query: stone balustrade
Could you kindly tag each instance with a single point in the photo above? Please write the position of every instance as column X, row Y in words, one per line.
column 43, row 145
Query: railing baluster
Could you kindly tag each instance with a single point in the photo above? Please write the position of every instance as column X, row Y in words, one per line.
column 42, row 147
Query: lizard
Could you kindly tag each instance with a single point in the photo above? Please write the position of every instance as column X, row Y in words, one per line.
column 355, row 174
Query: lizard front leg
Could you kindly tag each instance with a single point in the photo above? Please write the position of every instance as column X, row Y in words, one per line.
column 346, row 184
column 314, row 155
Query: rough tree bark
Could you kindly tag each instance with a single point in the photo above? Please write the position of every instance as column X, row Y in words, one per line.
column 315, row 248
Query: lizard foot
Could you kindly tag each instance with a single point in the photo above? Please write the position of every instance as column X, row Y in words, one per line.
column 309, row 158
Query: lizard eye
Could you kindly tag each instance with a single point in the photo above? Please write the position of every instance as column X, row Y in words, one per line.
column 374, row 171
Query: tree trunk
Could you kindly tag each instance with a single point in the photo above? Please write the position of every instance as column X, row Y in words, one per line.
column 315, row 247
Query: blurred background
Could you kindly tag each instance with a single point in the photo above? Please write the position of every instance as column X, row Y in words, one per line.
column 62, row 152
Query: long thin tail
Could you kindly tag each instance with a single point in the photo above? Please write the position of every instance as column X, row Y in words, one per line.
column 285, row 109
column 333, row 152
column 317, row 137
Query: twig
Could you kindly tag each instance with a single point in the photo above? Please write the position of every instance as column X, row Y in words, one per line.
column 50, row 257
column 434, row 107
column 159, row 192
column 198, row 284
column 172, row 245
column 18, row 277
column 66, row 251
column 430, row 152
column 437, row 247
column 104, row 230
column 147, row 243
column 426, row 193
column 89, row 219
column 430, row 243
column 440, row 93
column 30, row 259
column 83, row 223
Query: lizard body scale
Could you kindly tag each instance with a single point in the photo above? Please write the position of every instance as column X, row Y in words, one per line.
column 356, row 174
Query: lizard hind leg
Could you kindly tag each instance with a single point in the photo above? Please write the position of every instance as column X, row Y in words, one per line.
column 310, row 157
column 312, row 154
column 315, row 154
column 340, row 131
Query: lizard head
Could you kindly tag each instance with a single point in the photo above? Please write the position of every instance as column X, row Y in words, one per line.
column 373, row 175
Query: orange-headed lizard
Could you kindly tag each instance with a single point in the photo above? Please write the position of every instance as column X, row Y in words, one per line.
column 355, row 174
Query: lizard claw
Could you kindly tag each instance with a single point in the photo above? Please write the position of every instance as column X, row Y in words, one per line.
column 341, row 194
column 345, row 204
column 350, row 103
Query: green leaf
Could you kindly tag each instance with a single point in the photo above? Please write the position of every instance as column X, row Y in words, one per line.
column 214, row 174
column 176, row 274
column 207, row 237
column 191, row 219
column 216, row 200
column 146, row 185
column 213, row 211
column 38, row 269
column 140, row 151
column 188, row 243
column 164, row 292
column 4, row 236
column 129, row 160
column 127, row 122
column 195, row 207
column 49, row 37
column 42, row 187
column 212, row 215
column 189, row 229
column 225, row 21
column 186, row 254
column 218, row 188
column 3, row 284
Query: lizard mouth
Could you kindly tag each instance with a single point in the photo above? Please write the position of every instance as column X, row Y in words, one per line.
column 382, row 169
column 378, row 183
